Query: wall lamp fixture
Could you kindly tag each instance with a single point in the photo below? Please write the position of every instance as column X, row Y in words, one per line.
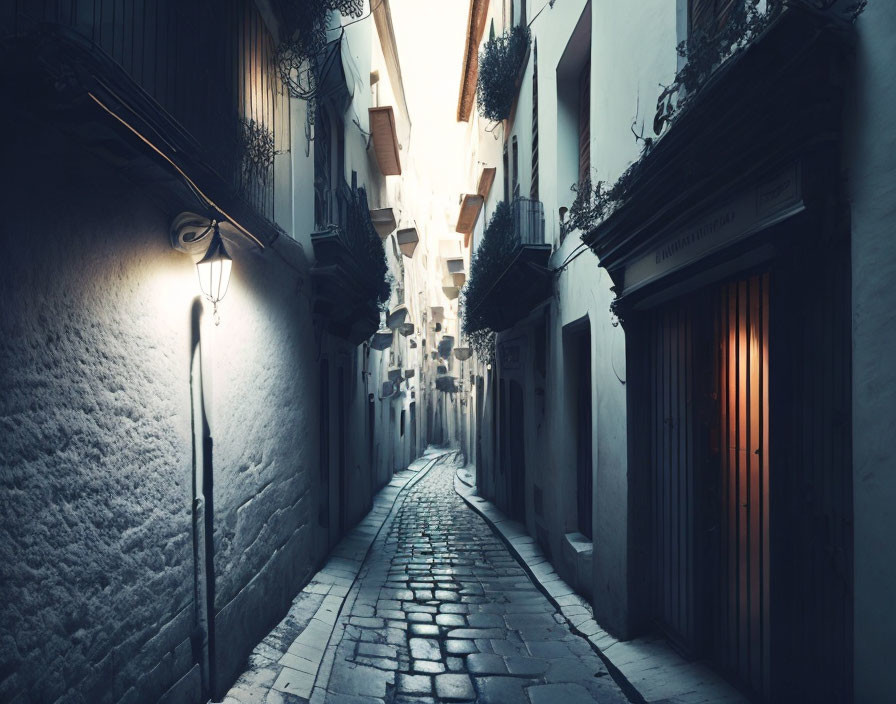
column 200, row 237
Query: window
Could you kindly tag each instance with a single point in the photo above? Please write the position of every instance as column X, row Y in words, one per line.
column 585, row 123
column 574, row 111
column 709, row 16
column 506, row 175
column 533, row 187
column 516, row 168
column 329, row 165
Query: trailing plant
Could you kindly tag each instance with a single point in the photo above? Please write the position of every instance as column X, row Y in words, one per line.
column 704, row 53
column 369, row 247
column 304, row 25
column 483, row 344
column 499, row 67
column 487, row 265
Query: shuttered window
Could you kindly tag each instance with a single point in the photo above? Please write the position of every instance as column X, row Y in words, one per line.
column 516, row 168
column 710, row 15
column 533, row 188
column 585, row 123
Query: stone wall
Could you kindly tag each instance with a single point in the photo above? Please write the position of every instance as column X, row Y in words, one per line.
column 96, row 536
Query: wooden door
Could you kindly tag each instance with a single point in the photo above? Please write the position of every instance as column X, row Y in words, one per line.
column 742, row 603
column 673, row 470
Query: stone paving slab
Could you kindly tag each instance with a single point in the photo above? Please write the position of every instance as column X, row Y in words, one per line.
column 284, row 667
column 648, row 668
column 443, row 612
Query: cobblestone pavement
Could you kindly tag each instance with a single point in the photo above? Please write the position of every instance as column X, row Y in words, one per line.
column 441, row 611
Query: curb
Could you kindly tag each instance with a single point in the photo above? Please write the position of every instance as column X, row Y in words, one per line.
column 566, row 610
column 662, row 675
column 302, row 664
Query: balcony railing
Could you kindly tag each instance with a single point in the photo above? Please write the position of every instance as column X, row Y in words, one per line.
column 509, row 275
column 528, row 221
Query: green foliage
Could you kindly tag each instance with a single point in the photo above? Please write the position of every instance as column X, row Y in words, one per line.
column 304, row 36
column 371, row 253
column 704, row 53
column 489, row 262
column 499, row 66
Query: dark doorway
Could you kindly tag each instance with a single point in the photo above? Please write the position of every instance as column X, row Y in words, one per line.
column 584, row 462
column 340, row 439
column 413, row 410
column 577, row 358
column 477, row 432
column 371, row 428
column 516, row 433
column 323, row 517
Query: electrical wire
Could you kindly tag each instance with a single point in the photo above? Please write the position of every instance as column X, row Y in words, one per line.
column 207, row 201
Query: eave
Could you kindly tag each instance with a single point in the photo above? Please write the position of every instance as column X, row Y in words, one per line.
column 385, row 140
column 470, row 207
column 57, row 76
column 470, row 67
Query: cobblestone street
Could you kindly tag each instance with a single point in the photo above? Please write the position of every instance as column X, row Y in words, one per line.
column 442, row 611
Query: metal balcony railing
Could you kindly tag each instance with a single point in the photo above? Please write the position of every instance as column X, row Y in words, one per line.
column 528, row 221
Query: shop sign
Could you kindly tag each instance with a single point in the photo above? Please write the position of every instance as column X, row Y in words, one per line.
column 747, row 213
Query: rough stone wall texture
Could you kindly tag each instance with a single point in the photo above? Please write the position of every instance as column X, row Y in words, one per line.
column 96, row 566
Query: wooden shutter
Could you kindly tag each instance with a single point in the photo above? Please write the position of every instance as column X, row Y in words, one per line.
column 710, row 15
column 700, row 14
column 533, row 187
column 585, row 123
column 516, row 168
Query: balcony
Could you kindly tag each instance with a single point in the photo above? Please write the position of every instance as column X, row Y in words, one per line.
column 349, row 275
column 774, row 129
column 509, row 276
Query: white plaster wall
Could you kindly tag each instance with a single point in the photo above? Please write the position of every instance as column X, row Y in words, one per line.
column 871, row 170
column 632, row 53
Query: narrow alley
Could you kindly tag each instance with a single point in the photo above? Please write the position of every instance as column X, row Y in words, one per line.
column 440, row 611
column 500, row 351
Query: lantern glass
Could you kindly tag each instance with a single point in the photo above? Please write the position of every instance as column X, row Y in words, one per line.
column 214, row 269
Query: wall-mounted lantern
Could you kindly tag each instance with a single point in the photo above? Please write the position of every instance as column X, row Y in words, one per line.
column 193, row 234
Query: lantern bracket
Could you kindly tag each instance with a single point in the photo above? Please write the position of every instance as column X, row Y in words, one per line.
column 191, row 233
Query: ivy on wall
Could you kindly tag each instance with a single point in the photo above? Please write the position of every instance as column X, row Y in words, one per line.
column 304, row 25
column 704, row 53
column 500, row 63
column 487, row 265
column 369, row 247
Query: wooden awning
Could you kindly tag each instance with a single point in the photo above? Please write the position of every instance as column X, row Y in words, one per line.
column 385, row 140
column 486, row 179
column 469, row 214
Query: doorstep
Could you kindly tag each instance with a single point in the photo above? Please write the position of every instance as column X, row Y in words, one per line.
column 289, row 659
column 647, row 669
